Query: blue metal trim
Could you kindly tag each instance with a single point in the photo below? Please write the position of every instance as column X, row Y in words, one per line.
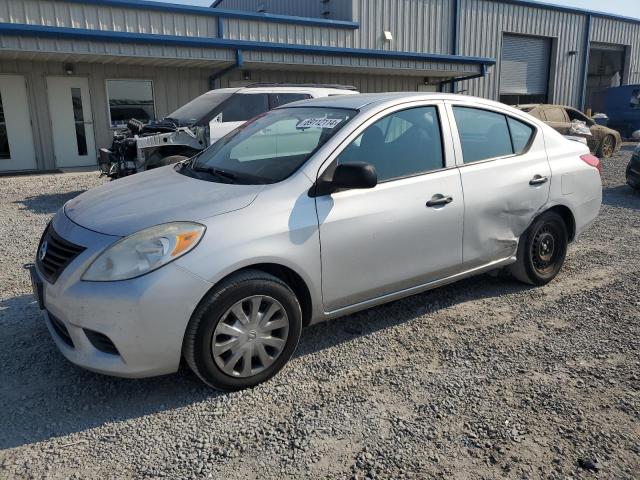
column 579, row 11
column 453, row 81
column 219, row 12
column 204, row 42
column 455, row 27
column 585, row 61
column 219, row 74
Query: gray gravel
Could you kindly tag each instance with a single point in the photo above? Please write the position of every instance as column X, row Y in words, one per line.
column 482, row 379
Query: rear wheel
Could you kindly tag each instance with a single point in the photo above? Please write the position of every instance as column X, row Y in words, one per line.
column 244, row 331
column 541, row 250
column 607, row 147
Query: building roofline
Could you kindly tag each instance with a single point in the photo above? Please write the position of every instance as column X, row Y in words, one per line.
column 221, row 13
column 17, row 29
column 576, row 10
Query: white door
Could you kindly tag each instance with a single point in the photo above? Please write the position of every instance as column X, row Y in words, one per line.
column 72, row 121
column 16, row 137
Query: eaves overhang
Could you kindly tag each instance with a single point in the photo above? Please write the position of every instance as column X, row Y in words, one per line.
column 42, row 31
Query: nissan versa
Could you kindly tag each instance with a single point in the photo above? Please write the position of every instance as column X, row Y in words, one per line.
column 309, row 212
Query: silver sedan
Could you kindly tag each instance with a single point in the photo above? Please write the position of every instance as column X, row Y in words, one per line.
column 309, row 212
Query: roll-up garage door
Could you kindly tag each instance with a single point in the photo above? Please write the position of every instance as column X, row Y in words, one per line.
column 525, row 65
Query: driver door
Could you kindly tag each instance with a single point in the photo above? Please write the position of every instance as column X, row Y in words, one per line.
column 404, row 232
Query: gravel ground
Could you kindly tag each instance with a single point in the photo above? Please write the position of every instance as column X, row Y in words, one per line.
column 485, row 378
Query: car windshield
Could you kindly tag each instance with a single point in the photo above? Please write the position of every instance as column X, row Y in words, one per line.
column 270, row 147
column 199, row 107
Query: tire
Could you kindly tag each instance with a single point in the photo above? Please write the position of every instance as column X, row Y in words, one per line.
column 215, row 320
column 607, row 147
column 163, row 162
column 541, row 250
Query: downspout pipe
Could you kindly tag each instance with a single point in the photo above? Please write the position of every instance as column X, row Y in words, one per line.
column 221, row 73
column 585, row 61
column 453, row 81
column 455, row 29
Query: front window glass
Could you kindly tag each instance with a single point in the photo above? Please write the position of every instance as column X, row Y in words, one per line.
column 269, row 148
column 635, row 99
column 130, row 99
column 403, row 144
column 199, row 107
column 242, row 107
column 483, row 134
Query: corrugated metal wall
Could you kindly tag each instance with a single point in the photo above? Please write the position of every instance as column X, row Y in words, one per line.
column 606, row 30
column 173, row 87
column 416, row 25
column 338, row 9
column 100, row 17
column 482, row 23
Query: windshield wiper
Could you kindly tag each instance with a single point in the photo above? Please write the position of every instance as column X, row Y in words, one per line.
column 217, row 172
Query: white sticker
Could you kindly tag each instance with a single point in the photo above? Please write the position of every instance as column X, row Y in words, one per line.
column 319, row 123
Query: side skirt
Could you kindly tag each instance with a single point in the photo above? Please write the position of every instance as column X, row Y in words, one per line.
column 389, row 297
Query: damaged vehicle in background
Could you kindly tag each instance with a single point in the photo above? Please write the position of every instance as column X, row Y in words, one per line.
column 633, row 169
column 198, row 124
column 603, row 142
column 309, row 212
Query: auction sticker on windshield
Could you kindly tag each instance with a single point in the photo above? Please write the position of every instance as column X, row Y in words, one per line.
column 319, row 123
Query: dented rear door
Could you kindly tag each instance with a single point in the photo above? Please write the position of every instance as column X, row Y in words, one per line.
column 502, row 193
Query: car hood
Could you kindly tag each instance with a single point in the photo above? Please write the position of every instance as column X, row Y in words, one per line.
column 162, row 195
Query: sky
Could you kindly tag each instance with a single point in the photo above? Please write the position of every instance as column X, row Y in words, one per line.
column 628, row 8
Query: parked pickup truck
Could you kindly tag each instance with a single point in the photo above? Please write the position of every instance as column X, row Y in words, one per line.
column 198, row 124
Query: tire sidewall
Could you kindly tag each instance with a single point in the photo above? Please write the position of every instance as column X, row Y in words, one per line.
column 210, row 317
column 558, row 222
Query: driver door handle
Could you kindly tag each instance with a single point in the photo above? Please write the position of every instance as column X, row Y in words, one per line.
column 538, row 180
column 439, row 200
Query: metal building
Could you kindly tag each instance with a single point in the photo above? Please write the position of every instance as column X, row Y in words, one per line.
column 72, row 70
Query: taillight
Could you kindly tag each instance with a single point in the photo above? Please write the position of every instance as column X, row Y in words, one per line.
column 593, row 161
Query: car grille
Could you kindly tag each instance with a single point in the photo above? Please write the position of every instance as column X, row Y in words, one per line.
column 61, row 330
column 57, row 255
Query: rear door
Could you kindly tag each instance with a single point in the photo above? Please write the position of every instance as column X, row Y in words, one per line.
column 505, row 177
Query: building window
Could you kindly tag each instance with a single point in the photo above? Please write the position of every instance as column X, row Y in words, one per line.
column 4, row 139
column 78, row 117
column 130, row 99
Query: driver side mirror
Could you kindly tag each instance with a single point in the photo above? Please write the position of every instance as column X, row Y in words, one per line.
column 348, row 176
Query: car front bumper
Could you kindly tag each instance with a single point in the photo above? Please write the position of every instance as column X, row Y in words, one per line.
column 131, row 328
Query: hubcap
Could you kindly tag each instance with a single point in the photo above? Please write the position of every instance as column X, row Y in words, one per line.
column 544, row 249
column 250, row 336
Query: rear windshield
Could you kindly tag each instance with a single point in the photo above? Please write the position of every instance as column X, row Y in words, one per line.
column 271, row 147
column 199, row 107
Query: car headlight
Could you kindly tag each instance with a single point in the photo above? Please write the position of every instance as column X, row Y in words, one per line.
column 144, row 251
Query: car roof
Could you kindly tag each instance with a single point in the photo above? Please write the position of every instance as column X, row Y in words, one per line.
column 374, row 100
column 288, row 89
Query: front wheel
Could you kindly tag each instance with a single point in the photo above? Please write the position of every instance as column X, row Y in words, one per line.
column 244, row 331
column 541, row 250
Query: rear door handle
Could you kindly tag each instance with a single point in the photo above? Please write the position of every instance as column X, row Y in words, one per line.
column 538, row 180
column 439, row 200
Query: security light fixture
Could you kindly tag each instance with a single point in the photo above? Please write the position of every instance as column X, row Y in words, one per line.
column 68, row 69
column 388, row 36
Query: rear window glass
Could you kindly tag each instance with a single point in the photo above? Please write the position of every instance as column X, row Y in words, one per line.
column 555, row 115
column 243, row 107
column 521, row 134
column 483, row 134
